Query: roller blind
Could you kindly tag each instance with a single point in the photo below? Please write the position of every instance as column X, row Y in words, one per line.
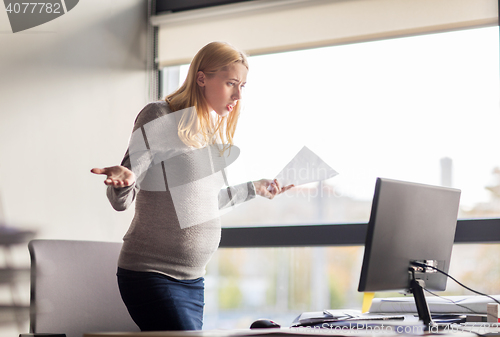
column 267, row 26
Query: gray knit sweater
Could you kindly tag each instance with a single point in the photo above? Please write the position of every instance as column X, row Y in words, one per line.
column 178, row 194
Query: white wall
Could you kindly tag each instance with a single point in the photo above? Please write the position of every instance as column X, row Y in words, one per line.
column 69, row 93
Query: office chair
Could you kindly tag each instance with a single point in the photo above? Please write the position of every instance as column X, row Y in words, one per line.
column 74, row 288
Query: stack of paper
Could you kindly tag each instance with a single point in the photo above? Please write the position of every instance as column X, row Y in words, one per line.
column 333, row 316
column 445, row 304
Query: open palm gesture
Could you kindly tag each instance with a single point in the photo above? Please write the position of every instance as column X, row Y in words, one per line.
column 116, row 176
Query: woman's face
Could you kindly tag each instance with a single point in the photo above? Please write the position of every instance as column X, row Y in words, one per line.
column 223, row 89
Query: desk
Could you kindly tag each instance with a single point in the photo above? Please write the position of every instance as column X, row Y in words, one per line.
column 463, row 331
column 203, row 333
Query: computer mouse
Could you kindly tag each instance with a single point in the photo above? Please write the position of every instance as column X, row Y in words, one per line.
column 264, row 324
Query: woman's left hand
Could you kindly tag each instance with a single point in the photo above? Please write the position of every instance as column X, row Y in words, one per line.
column 269, row 188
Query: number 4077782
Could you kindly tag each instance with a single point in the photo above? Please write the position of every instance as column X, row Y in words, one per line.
column 34, row 7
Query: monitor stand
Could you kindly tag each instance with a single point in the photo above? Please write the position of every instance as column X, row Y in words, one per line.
column 424, row 314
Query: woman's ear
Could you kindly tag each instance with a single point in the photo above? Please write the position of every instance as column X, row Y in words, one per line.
column 200, row 78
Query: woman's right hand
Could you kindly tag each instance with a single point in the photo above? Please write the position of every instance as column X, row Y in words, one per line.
column 117, row 176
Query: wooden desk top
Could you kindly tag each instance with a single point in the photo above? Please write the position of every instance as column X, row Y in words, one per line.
column 484, row 329
column 202, row 333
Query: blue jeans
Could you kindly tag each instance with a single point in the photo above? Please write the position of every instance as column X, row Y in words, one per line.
column 157, row 302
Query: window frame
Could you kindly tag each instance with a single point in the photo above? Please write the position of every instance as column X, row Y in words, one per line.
column 469, row 231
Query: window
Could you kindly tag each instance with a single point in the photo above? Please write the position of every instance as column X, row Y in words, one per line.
column 243, row 285
column 422, row 109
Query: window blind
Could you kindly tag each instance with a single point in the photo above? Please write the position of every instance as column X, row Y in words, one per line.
column 268, row 26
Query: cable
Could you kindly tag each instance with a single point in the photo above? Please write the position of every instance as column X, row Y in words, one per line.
column 423, row 265
column 450, row 300
column 459, row 305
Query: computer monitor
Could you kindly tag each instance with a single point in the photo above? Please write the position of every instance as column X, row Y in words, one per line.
column 409, row 223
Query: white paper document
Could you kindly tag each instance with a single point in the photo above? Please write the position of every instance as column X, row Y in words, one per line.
column 305, row 167
column 444, row 304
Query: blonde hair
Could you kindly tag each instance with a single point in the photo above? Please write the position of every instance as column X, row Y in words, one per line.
column 200, row 129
